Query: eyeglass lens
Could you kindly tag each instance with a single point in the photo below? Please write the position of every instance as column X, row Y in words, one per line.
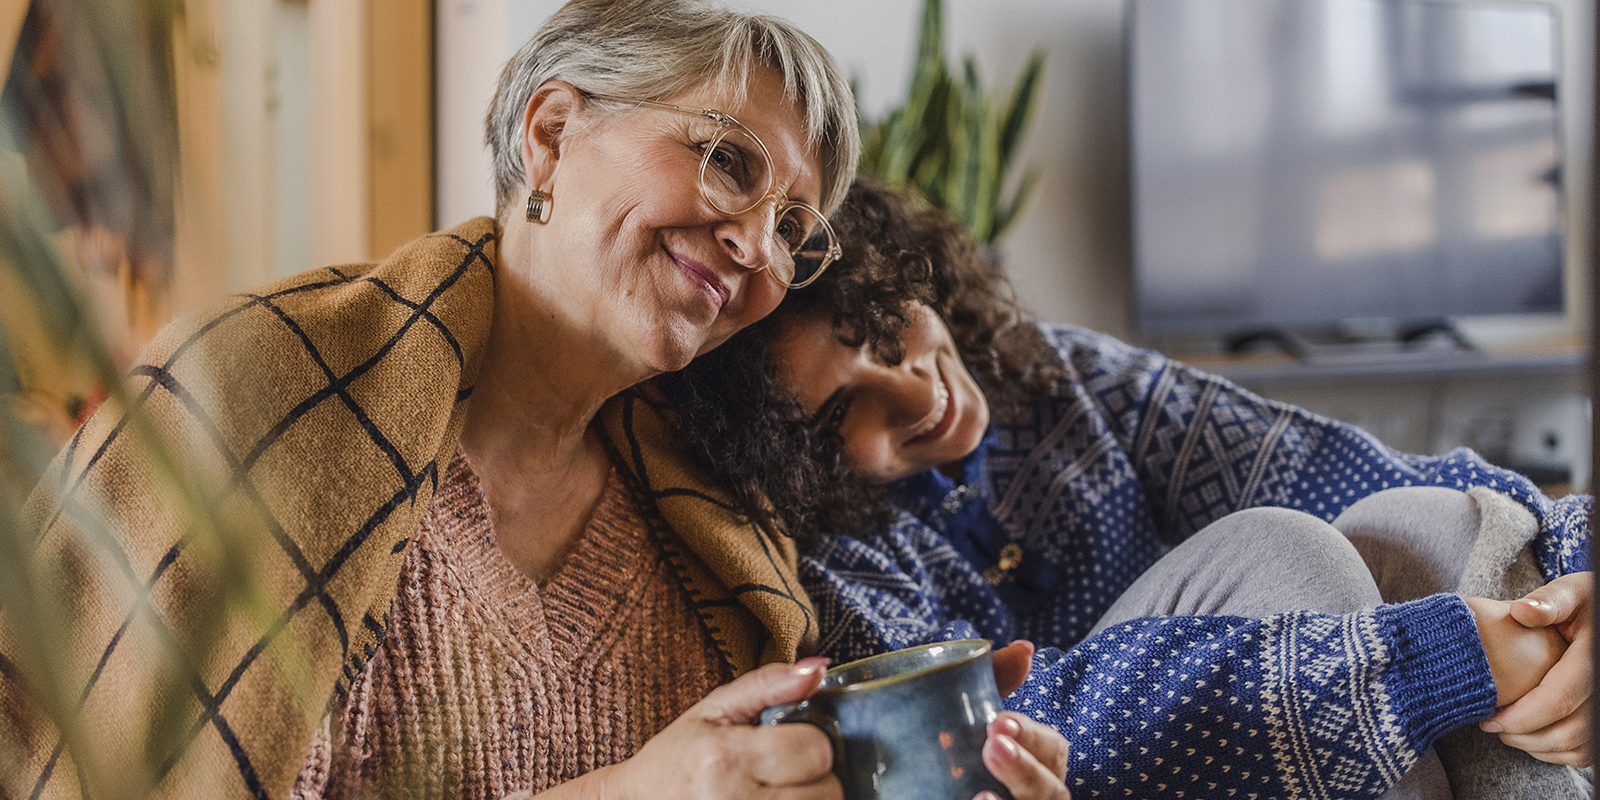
column 735, row 173
column 806, row 239
column 735, row 176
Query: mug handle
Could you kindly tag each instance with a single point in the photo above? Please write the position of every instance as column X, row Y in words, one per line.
column 804, row 712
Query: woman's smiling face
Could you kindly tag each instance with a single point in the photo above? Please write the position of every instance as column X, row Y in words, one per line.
column 892, row 421
column 647, row 263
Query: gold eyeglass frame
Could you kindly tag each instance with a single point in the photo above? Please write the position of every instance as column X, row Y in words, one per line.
column 728, row 122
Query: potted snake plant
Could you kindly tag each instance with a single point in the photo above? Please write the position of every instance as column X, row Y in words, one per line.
column 953, row 144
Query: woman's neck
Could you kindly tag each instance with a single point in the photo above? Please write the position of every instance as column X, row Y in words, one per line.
column 542, row 380
column 528, row 433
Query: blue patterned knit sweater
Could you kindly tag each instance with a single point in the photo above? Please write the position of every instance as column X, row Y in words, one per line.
column 1095, row 484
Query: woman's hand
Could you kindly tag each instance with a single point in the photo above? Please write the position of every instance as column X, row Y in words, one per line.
column 1551, row 721
column 714, row 750
column 1028, row 757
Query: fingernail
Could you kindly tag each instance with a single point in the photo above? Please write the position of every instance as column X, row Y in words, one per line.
column 1008, row 747
column 810, row 666
column 1490, row 726
column 1534, row 603
column 1009, row 727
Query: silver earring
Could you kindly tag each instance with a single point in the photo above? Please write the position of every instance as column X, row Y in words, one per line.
column 539, row 206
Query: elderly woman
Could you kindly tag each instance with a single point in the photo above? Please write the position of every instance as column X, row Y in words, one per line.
column 958, row 469
column 472, row 571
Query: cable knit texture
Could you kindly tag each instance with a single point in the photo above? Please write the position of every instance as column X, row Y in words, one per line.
column 487, row 675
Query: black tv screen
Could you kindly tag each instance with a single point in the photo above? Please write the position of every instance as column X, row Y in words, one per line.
column 1298, row 163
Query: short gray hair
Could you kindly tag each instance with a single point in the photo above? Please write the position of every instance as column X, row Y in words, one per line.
column 654, row 49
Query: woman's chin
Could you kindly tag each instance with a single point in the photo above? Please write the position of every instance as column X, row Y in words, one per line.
column 674, row 349
column 962, row 443
column 944, row 454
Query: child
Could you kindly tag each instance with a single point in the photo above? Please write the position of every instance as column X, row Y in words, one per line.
column 1161, row 534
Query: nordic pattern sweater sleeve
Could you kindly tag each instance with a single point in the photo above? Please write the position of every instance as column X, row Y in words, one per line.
column 1096, row 483
column 1298, row 705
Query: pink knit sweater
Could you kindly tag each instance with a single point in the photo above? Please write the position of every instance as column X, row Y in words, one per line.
column 488, row 683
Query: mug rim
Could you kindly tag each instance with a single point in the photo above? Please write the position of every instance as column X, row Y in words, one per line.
column 978, row 652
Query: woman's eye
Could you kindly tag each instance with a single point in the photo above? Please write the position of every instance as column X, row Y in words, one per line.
column 832, row 418
column 789, row 233
column 729, row 161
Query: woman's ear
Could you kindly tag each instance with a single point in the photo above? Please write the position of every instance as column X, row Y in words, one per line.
column 544, row 123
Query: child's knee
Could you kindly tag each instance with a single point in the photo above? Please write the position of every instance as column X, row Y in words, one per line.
column 1409, row 511
column 1415, row 539
column 1269, row 532
column 1292, row 554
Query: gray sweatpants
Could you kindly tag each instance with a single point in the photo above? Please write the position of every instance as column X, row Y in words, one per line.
column 1393, row 546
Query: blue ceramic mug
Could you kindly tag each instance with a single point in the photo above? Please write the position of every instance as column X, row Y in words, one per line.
column 907, row 725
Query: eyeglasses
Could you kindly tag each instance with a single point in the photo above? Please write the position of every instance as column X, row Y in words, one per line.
column 736, row 177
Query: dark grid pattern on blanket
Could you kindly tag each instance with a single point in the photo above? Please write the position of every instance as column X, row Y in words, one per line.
column 1096, row 483
column 319, row 473
column 739, row 573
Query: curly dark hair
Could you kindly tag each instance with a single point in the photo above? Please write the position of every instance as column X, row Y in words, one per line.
column 751, row 434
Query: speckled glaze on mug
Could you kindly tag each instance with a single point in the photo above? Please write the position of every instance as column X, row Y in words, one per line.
column 907, row 725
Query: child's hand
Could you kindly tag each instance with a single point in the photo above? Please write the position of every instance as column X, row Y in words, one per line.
column 1011, row 665
column 1028, row 757
column 1519, row 656
column 1551, row 722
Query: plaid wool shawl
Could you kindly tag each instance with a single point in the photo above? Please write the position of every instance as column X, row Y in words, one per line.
column 314, row 416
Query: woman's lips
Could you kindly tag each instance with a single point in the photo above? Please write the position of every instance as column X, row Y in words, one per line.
column 940, row 419
column 715, row 289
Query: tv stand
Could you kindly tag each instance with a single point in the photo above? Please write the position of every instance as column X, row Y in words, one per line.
column 1283, row 356
column 1261, row 339
column 1421, row 331
column 1427, row 339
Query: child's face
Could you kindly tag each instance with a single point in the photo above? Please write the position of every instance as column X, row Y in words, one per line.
column 925, row 412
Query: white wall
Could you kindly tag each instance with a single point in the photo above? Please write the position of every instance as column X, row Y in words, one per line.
column 1070, row 254
column 245, row 40
column 339, row 132
column 293, row 145
column 471, row 43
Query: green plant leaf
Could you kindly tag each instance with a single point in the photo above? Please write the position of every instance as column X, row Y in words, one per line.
column 871, row 150
column 930, row 38
column 902, row 147
column 991, row 172
column 964, row 187
column 949, row 142
column 969, row 75
column 928, row 72
column 1021, row 107
column 1012, row 210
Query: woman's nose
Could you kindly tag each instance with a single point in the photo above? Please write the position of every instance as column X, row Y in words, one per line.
column 748, row 237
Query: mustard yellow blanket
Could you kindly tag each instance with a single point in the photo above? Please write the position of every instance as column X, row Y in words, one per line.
column 315, row 414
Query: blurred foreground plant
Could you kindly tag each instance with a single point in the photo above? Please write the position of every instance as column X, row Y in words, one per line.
column 87, row 170
column 953, row 144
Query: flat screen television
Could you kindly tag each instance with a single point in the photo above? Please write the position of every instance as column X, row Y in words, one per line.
column 1302, row 163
